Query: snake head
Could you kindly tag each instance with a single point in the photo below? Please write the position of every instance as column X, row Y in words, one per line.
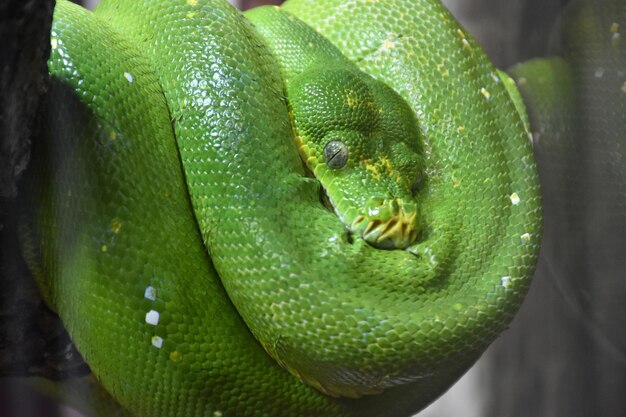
column 361, row 140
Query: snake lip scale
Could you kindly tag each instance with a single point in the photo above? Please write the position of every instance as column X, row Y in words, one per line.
column 397, row 232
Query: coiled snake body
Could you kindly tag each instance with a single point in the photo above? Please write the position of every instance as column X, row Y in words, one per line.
column 179, row 214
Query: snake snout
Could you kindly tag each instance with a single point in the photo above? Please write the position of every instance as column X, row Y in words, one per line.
column 388, row 223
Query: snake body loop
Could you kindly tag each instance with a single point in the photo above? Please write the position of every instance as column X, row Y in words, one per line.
column 176, row 221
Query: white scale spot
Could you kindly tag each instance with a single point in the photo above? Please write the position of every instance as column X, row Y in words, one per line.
column 525, row 238
column 485, row 93
column 157, row 342
column 54, row 43
column 150, row 293
column 505, row 281
column 515, row 199
column 152, row 317
column 217, row 414
column 387, row 44
column 129, row 77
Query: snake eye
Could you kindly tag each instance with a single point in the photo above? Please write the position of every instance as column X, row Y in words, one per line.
column 336, row 154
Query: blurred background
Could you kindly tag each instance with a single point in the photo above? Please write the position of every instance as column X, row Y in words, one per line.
column 565, row 353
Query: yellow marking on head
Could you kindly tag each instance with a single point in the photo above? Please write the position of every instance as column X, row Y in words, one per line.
column 387, row 44
column 190, row 15
column 372, row 105
column 116, row 225
column 456, row 183
column 614, row 27
column 485, row 93
column 192, row 2
column 104, row 248
column 373, row 168
column 351, row 99
column 176, row 356
column 112, row 134
column 380, row 167
column 386, row 163
column 461, row 129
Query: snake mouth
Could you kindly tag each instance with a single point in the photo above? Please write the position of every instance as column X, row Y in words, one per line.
column 395, row 231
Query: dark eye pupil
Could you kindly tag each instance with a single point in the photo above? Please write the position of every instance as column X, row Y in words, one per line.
column 336, row 154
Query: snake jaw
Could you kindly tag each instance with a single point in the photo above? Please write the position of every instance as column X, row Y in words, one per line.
column 385, row 230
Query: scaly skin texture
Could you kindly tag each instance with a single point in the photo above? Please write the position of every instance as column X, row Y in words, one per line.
column 120, row 227
column 375, row 133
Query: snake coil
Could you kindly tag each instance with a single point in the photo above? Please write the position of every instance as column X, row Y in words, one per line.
column 176, row 225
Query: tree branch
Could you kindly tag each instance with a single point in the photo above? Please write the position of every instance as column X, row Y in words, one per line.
column 33, row 341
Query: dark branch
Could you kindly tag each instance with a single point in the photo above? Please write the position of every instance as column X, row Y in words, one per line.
column 33, row 341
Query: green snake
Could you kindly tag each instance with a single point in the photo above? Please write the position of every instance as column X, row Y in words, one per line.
column 331, row 208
